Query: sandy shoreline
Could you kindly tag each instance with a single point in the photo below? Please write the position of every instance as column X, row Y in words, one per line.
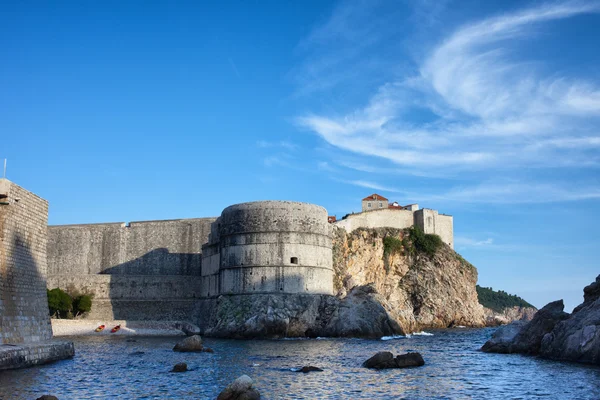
column 66, row 327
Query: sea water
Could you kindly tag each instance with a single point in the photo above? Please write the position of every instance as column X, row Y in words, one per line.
column 138, row 368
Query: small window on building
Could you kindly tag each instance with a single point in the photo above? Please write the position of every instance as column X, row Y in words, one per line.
column 380, row 205
column 294, row 260
column 369, row 205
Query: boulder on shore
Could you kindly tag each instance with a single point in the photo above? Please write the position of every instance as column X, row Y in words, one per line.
column 189, row 344
column 240, row 389
column 554, row 334
column 385, row 359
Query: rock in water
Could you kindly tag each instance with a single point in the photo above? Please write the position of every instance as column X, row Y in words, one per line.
column 381, row 360
column 503, row 337
column 192, row 343
column 240, row 389
column 361, row 314
column 385, row 359
column 528, row 338
column 409, row 360
column 309, row 368
column 578, row 337
column 180, row 367
column 555, row 334
column 47, row 397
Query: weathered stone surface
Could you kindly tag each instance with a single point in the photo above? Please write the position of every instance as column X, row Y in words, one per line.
column 359, row 314
column 409, row 360
column 309, row 368
column 420, row 291
column 240, row 389
column 591, row 293
column 528, row 338
column 503, row 337
column 578, row 337
column 189, row 344
column 146, row 270
column 508, row 315
column 381, row 360
column 24, row 316
column 555, row 334
column 180, row 367
column 385, row 359
column 30, row 354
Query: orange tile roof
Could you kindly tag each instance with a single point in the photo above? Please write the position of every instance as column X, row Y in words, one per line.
column 375, row 197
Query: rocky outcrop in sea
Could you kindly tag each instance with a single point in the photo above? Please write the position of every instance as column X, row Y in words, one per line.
column 555, row 334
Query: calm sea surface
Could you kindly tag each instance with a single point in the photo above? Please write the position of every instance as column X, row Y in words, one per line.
column 126, row 369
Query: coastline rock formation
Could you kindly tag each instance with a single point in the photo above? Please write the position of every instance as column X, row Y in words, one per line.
column 382, row 289
column 508, row 315
column 554, row 334
column 420, row 290
column 359, row 314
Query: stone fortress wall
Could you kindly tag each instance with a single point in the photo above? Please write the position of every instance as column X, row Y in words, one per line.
column 23, row 303
column 430, row 221
column 269, row 247
column 140, row 270
column 161, row 269
column 24, row 320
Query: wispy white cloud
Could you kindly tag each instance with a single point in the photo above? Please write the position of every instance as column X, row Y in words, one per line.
column 372, row 185
column 514, row 193
column 282, row 144
column 462, row 241
column 234, row 68
column 486, row 107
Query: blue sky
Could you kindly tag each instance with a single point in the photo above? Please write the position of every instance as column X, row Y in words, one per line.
column 124, row 111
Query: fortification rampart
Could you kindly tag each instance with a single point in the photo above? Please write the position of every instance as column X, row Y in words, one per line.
column 269, row 247
column 23, row 302
column 430, row 221
column 24, row 316
column 149, row 268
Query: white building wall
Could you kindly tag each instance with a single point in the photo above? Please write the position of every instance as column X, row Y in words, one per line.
column 391, row 218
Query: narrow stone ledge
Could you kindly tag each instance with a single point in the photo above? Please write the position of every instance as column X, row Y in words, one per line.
column 30, row 354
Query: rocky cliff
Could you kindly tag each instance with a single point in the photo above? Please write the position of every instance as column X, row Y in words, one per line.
column 420, row 289
column 388, row 281
column 508, row 315
column 554, row 334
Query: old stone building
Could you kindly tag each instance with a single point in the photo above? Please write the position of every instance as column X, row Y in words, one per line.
column 24, row 317
column 377, row 213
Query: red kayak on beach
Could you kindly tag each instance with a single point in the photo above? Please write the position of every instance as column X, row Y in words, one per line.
column 115, row 329
column 100, row 328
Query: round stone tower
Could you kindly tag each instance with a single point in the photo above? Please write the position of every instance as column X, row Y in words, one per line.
column 275, row 247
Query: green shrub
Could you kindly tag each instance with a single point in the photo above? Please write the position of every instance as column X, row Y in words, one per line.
column 499, row 300
column 391, row 245
column 425, row 242
column 63, row 305
column 82, row 304
column 59, row 303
